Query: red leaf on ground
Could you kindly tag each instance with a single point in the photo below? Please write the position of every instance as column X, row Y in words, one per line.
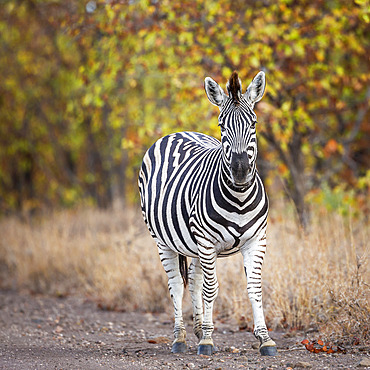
column 309, row 347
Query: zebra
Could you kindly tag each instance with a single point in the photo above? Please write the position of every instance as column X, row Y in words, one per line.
column 203, row 199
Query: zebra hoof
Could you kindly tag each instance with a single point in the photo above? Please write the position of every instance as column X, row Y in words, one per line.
column 179, row 347
column 206, row 349
column 268, row 351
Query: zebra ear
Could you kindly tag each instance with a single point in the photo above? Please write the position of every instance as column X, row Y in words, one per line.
column 256, row 89
column 214, row 92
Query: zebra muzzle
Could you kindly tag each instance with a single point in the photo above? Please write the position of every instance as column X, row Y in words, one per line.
column 240, row 168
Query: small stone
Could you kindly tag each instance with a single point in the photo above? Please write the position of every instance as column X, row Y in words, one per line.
column 243, row 358
column 255, row 345
column 37, row 321
column 58, row 329
column 302, row 364
column 365, row 362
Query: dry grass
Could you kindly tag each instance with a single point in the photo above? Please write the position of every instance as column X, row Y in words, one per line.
column 317, row 280
column 107, row 255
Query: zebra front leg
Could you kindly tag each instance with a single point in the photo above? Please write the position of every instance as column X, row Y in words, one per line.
column 195, row 288
column 253, row 259
column 170, row 262
column 207, row 257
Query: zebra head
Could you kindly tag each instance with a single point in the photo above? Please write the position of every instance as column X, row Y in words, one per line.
column 237, row 121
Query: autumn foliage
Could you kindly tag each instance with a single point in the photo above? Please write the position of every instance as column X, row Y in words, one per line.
column 88, row 86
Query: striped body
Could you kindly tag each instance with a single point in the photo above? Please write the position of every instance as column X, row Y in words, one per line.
column 202, row 198
column 186, row 197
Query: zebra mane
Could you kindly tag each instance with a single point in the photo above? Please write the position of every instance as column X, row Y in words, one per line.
column 234, row 87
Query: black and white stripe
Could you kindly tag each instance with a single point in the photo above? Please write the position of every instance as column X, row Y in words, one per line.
column 204, row 199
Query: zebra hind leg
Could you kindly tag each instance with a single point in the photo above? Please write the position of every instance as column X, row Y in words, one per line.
column 170, row 262
column 253, row 259
column 195, row 288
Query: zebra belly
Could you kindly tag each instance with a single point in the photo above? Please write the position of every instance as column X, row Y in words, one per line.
column 228, row 232
column 229, row 245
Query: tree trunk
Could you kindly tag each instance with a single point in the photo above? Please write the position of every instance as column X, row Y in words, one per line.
column 295, row 185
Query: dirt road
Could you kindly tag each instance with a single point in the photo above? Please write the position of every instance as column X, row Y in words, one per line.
column 38, row 332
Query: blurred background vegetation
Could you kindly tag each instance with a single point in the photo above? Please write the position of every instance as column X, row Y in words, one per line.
column 87, row 86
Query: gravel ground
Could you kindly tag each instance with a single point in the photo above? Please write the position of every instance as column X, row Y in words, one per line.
column 38, row 332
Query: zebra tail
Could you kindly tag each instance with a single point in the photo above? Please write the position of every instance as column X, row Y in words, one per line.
column 183, row 264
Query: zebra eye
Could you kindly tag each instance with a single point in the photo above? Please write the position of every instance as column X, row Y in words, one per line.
column 221, row 125
column 253, row 125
